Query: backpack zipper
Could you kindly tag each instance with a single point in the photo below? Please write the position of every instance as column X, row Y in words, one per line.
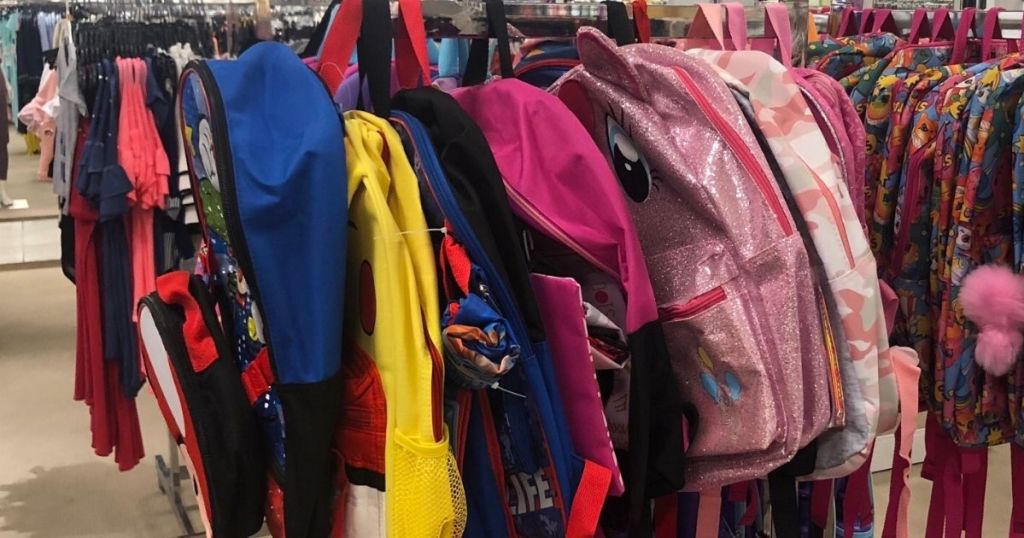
column 739, row 149
column 908, row 213
column 229, row 199
column 554, row 231
column 837, row 216
column 541, row 64
column 694, row 307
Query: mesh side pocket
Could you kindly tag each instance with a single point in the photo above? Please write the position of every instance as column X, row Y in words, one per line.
column 425, row 495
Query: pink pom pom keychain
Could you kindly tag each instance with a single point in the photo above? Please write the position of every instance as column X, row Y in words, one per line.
column 993, row 298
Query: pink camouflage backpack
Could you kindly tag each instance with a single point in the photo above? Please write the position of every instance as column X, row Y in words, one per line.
column 823, row 199
column 730, row 273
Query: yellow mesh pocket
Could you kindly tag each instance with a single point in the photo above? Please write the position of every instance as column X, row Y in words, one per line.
column 425, row 495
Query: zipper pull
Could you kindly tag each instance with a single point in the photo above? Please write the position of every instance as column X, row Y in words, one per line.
column 528, row 246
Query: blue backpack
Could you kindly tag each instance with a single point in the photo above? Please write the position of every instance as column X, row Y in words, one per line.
column 511, row 439
column 267, row 159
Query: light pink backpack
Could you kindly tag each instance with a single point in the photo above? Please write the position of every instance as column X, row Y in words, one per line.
column 821, row 196
column 730, row 273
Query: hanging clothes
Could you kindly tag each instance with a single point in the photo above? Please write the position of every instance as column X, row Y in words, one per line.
column 72, row 108
column 40, row 119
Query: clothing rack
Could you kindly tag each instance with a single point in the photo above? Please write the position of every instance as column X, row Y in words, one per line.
column 170, row 475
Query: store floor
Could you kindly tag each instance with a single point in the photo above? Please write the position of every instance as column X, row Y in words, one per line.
column 23, row 184
column 51, row 483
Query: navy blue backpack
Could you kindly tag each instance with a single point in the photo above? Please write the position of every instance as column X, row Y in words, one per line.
column 266, row 156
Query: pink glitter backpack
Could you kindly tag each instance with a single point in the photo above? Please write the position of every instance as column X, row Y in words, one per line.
column 729, row 270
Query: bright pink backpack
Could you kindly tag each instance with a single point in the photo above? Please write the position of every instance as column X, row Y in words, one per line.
column 584, row 248
column 730, row 273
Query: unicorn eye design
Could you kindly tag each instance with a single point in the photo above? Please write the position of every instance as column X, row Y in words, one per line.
column 630, row 165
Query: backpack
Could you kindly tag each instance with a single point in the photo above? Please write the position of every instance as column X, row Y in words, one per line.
column 542, row 63
column 823, row 201
column 198, row 388
column 278, row 303
column 511, row 436
column 980, row 232
column 728, row 352
column 841, row 126
column 395, row 355
column 909, row 267
column 581, row 229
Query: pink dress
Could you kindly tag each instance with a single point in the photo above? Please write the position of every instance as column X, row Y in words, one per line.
column 141, row 154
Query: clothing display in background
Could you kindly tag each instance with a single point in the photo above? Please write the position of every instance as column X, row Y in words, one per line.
column 116, row 141
column 71, row 110
column 29, row 59
column 943, row 178
column 9, row 58
column 40, row 119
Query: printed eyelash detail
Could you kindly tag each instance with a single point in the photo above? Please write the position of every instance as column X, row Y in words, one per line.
column 620, row 118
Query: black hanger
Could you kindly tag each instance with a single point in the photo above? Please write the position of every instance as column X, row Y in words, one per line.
column 620, row 28
column 374, row 50
column 479, row 52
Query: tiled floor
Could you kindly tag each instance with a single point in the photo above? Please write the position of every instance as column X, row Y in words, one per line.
column 28, row 235
column 23, row 183
column 24, row 241
column 51, row 483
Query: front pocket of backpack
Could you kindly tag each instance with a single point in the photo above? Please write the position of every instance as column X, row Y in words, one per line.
column 718, row 357
column 425, row 494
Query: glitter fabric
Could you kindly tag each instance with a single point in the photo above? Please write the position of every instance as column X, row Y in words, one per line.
column 730, row 273
column 822, row 199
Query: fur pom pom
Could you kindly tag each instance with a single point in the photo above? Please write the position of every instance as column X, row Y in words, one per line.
column 997, row 350
column 993, row 298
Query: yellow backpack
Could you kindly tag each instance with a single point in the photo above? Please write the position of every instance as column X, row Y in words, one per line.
column 392, row 317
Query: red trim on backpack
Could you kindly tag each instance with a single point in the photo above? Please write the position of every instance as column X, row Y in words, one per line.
column 666, row 516
column 821, row 502
column 1017, row 485
column 641, row 21
column 173, row 289
column 586, row 505
column 412, row 61
column 753, row 499
column 258, row 376
column 465, row 401
column 454, row 259
column 974, row 462
column 494, row 454
column 857, row 500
